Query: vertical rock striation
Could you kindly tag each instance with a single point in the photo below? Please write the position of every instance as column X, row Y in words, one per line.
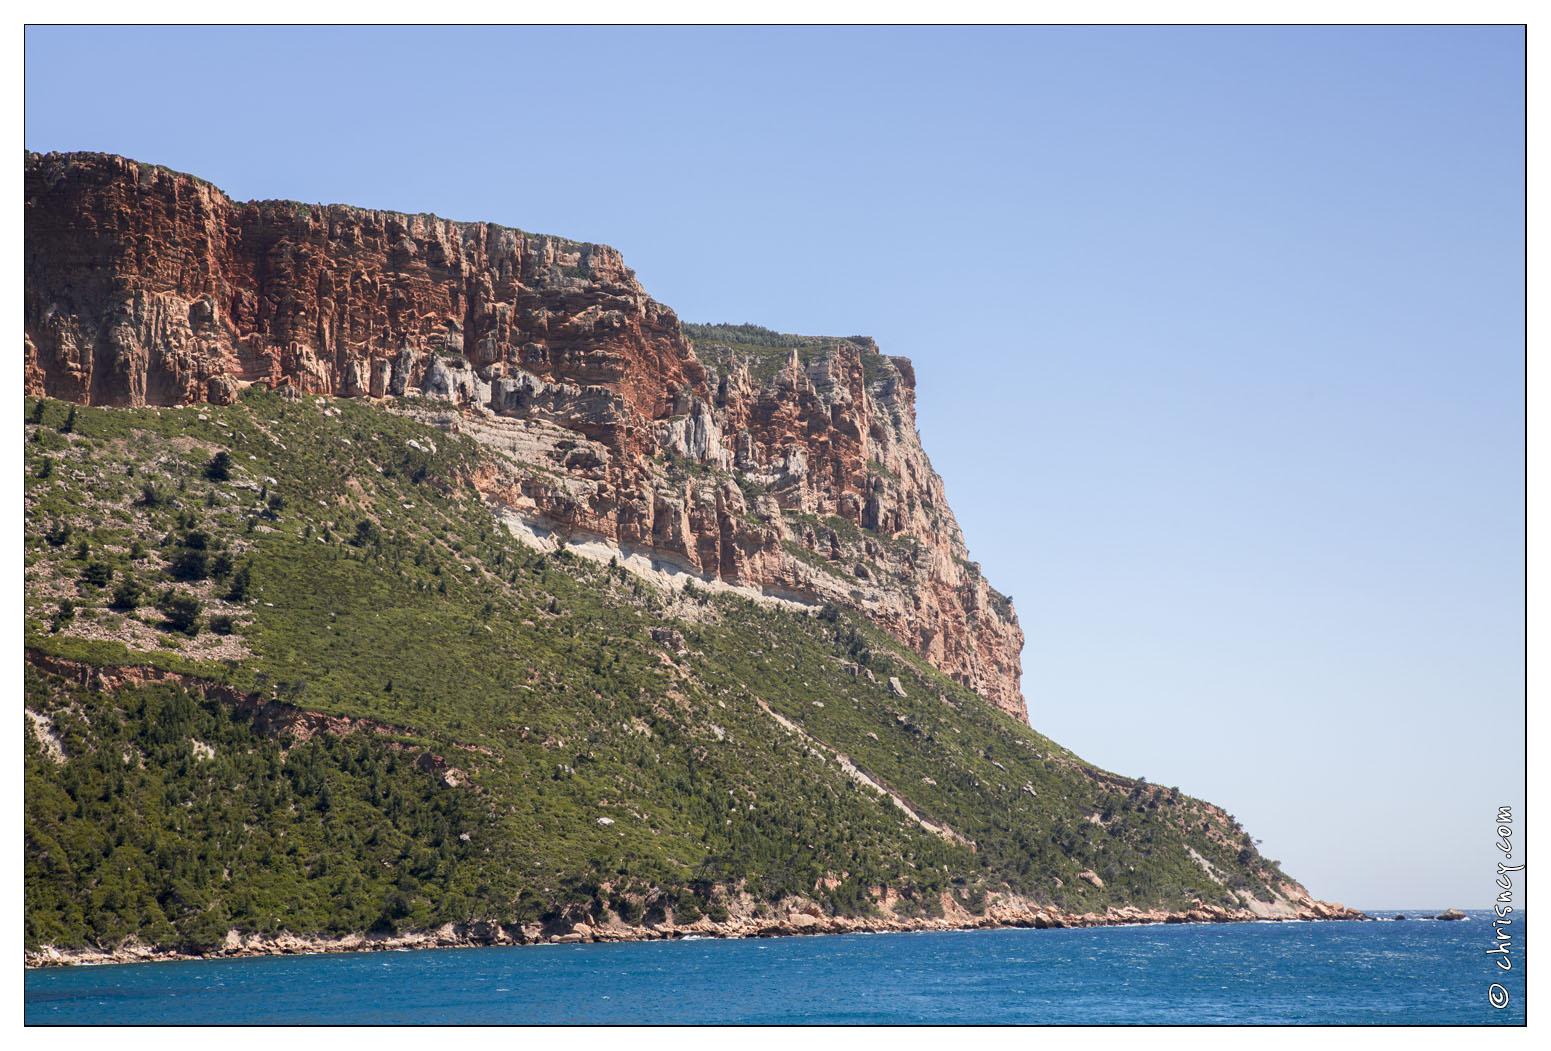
column 795, row 471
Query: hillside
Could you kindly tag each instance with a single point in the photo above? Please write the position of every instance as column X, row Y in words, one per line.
column 370, row 601
column 382, row 712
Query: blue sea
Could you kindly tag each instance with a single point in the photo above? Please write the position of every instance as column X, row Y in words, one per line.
column 1375, row 973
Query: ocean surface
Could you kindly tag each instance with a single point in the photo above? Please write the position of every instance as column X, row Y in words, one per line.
column 1378, row 973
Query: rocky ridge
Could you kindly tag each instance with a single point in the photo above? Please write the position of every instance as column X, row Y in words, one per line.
column 791, row 472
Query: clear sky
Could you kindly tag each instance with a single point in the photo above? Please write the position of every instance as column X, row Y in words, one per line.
column 1219, row 336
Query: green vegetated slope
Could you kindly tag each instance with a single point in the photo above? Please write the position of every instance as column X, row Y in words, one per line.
column 533, row 751
column 764, row 351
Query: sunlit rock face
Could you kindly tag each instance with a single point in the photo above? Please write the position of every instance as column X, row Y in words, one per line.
column 802, row 478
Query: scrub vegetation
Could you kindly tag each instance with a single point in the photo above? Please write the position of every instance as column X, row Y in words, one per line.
column 495, row 733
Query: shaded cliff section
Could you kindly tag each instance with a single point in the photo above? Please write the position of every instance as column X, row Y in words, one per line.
column 788, row 467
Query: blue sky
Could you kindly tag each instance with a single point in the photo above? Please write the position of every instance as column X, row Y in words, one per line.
column 1218, row 335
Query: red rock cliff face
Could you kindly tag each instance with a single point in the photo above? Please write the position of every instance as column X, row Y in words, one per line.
column 795, row 473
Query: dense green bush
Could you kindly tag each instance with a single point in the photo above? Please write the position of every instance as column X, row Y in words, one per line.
column 219, row 469
column 182, row 611
column 241, row 581
column 97, row 574
column 64, row 613
column 128, row 593
column 189, row 563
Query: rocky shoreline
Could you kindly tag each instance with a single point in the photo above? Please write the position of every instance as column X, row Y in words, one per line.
column 793, row 918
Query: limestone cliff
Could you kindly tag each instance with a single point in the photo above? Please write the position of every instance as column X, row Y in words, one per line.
column 794, row 471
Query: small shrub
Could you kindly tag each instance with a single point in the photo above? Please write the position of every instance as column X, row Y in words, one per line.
column 128, row 593
column 97, row 574
column 190, row 563
column 241, row 582
column 221, row 624
column 182, row 612
column 219, row 469
column 64, row 614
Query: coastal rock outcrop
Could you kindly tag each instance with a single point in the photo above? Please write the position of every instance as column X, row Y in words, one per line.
column 795, row 916
column 794, row 472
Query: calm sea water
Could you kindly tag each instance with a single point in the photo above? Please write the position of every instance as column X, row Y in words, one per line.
column 1415, row 972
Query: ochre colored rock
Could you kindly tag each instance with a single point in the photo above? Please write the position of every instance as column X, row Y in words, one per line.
column 149, row 287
